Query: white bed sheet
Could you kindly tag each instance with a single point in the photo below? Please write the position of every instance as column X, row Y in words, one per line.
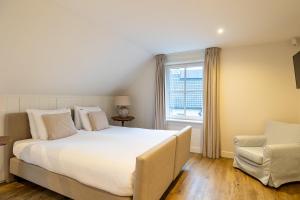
column 103, row 159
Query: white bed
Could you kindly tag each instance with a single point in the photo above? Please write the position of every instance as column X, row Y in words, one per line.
column 105, row 159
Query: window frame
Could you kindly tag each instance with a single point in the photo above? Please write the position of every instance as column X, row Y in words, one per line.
column 184, row 65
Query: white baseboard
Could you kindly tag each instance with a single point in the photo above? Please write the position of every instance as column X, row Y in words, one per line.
column 195, row 149
column 227, row 154
column 224, row 154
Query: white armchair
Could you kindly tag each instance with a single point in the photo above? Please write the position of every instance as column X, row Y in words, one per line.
column 272, row 158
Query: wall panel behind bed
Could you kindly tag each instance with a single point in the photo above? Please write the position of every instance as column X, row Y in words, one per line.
column 19, row 103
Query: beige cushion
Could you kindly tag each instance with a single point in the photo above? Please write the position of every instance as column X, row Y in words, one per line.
column 59, row 125
column 98, row 120
column 254, row 154
column 282, row 133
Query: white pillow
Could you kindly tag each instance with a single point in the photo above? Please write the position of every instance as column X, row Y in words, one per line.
column 85, row 120
column 41, row 130
column 282, row 133
column 32, row 124
column 77, row 117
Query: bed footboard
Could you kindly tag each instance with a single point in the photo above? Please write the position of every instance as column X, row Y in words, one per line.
column 154, row 171
column 183, row 141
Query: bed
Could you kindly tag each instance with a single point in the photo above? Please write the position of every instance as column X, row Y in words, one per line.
column 143, row 172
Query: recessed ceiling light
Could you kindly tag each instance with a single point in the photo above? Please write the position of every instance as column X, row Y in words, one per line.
column 220, row 31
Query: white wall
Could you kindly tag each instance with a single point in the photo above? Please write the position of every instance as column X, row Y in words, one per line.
column 185, row 57
column 19, row 103
column 257, row 84
column 141, row 92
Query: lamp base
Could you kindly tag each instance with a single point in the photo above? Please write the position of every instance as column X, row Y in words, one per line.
column 123, row 111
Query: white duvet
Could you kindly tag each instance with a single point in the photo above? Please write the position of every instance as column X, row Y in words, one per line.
column 104, row 159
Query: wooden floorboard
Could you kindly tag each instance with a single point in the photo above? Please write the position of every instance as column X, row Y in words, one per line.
column 202, row 179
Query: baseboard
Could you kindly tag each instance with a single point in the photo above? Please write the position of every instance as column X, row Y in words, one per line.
column 195, row 150
column 227, row 154
column 224, row 154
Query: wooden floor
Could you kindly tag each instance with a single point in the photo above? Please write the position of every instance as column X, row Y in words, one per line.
column 202, row 179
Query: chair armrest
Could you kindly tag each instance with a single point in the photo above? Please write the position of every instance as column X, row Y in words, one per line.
column 283, row 151
column 282, row 162
column 250, row 141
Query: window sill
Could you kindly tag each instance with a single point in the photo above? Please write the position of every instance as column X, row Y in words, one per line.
column 184, row 121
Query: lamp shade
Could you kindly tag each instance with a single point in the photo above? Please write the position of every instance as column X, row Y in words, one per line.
column 122, row 101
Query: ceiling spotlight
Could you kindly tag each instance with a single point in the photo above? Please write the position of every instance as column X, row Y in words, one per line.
column 220, row 31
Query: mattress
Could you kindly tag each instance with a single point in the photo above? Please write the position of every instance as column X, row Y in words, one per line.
column 101, row 159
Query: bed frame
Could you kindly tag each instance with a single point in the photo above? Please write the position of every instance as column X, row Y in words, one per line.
column 155, row 169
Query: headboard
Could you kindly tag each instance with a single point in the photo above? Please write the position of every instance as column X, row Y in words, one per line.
column 17, row 127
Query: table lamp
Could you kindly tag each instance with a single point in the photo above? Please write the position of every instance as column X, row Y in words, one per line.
column 122, row 102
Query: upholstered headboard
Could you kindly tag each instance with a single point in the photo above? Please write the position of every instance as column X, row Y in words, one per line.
column 17, row 127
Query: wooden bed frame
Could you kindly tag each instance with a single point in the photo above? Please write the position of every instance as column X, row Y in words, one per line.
column 155, row 169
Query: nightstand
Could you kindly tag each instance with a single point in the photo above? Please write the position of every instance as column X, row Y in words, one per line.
column 123, row 119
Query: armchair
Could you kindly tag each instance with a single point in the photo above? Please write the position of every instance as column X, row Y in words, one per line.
column 272, row 158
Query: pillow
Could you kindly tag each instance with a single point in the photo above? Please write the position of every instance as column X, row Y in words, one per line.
column 85, row 121
column 282, row 133
column 39, row 124
column 59, row 125
column 98, row 120
column 77, row 118
column 32, row 125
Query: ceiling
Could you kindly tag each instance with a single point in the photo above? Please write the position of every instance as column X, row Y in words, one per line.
column 97, row 47
column 164, row 26
column 47, row 49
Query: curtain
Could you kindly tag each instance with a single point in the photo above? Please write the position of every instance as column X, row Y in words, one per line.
column 211, row 121
column 159, row 114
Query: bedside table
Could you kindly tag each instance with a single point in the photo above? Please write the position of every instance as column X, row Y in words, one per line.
column 123, row 119
column 4, row 140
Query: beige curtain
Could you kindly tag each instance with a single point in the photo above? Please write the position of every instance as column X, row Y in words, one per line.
column 159, row 118
column 211, row 121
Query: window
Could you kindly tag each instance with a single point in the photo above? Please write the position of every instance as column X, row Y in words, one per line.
column 184, row 92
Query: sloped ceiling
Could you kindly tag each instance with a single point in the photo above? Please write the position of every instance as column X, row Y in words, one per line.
column 48, row 49
column 178, row 25
column 98, row 46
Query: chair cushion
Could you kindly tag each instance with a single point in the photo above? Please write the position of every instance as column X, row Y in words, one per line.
column 254, row 154
column 282, row 133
